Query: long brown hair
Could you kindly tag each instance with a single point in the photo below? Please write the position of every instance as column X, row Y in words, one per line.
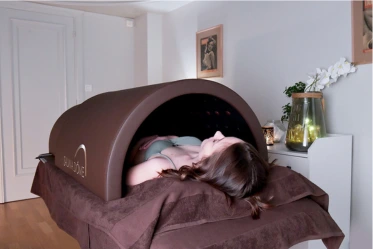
column 239, row 171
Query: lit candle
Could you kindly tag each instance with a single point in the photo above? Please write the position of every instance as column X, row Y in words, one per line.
column 268, row 132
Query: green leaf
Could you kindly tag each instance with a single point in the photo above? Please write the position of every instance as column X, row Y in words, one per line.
column 298, row 87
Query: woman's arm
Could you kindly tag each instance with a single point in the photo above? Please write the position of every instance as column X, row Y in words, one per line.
column 147, row 170
column 136, row 147
column 143, row 144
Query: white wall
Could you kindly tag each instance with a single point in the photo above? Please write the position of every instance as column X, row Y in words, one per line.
column 108, row 53
column 271, row 45
column 141, row 51
column 155, row 51
column 148, row 49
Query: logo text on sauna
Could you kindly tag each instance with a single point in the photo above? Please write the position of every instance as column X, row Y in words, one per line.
column 76, row 166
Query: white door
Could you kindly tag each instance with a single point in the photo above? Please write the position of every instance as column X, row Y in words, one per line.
column 36, row 86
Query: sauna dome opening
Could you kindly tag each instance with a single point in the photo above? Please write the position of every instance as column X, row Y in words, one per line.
column 199, row 115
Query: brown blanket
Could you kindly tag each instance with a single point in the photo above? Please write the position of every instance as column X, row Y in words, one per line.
column 167, row 213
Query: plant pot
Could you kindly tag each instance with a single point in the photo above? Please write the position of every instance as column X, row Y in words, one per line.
column 306, row 121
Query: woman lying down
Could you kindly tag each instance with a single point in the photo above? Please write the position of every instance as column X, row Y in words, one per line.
column 226, row 163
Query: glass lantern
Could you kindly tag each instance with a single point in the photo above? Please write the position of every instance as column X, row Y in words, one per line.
column 306, row 121
column 279, row 130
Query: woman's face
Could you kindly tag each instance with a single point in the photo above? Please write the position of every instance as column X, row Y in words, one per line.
column 216, row 143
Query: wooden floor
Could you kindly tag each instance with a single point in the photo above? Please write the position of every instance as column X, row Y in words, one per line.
column 28, row 225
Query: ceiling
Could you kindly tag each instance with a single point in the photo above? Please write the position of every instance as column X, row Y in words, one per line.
column 127, row 9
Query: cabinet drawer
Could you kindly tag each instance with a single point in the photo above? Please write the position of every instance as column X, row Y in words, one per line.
column 298, row 164
column 302, row 245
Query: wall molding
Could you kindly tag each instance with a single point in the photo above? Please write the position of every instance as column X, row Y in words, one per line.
column 46, row 9
column 77, row 16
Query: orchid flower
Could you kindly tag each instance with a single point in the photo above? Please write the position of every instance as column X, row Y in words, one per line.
column 324, row 77
column 344, row 67
column 333, row 73
column 318, row 82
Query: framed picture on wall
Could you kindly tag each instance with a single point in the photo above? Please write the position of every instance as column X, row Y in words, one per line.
column 361, row 32
column 209, row 54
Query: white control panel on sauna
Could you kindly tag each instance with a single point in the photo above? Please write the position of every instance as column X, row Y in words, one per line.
column 327, row 158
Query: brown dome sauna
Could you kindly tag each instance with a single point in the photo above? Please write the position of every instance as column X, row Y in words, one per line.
column 90, row 140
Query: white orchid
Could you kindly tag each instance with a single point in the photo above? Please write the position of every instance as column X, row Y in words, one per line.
column 324, row 77
column 344, row 67
column 333, row 73
column 319, row 81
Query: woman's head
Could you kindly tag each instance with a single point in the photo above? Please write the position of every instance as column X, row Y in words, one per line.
column 210, row 44
column 230, row 165
column 236, row 169
column 216, row 143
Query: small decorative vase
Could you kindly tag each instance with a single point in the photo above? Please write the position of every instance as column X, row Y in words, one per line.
column 279, row 129
column 306, row 121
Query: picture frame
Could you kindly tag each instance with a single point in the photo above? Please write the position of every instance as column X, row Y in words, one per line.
column 209, row 54
column 361, row 32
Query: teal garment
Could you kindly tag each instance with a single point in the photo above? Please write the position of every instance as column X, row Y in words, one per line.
column 158, row 146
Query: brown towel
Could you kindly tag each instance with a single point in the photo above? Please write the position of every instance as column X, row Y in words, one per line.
column 167, row 213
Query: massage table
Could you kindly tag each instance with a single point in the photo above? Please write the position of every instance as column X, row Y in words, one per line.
column 81, row 177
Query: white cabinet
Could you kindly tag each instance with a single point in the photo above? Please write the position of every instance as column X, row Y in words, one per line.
column 296, row 163
column 328, row 165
